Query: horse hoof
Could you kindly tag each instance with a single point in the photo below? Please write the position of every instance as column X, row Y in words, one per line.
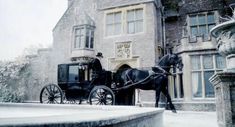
column 174, row 111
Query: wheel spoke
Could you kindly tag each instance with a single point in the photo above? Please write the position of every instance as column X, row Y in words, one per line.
column 48, row 90
column 56, row 101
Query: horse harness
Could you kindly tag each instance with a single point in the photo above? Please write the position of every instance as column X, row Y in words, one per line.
column 152, row 75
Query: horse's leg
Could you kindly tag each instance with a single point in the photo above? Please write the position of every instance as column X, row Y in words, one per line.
column 166, row 93
column 157, row 96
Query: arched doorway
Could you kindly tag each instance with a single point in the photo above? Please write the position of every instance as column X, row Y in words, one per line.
column 127, row 96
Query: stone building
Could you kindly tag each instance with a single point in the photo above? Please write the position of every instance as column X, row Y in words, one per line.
column 136, row 33
column 128, row 33
column 187, row 26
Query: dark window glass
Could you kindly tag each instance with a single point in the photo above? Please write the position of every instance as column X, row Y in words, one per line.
column 209, row 89
column 73, row 73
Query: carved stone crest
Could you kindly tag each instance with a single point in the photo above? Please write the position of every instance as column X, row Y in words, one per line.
column 123, row 50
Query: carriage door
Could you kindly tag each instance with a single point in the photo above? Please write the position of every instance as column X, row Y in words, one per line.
column 125, row 97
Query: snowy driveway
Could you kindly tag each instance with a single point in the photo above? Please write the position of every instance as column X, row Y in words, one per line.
column 190, row 119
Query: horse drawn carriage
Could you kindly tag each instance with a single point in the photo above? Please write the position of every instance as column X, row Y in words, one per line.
column 88, row 81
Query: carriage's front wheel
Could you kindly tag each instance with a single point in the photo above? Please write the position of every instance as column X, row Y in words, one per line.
column 51, row 94
column 101, row 95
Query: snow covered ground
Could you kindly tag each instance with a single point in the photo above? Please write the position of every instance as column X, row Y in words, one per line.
column 190, row 119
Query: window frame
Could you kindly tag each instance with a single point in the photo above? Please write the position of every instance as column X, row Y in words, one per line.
column 202, row 72
column 87, row 28
column 197, row 25
column 114, row 23
column 124, row 11
column 177, row 88
column 135, row 20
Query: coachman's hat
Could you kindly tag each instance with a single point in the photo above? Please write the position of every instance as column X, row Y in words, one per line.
column 99, row 54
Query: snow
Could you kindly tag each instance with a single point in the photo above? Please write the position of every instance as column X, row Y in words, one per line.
column 190, row 119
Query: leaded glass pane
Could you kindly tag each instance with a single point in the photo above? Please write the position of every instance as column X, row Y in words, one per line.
column 82, row 31
column 131, row 15
column 77, row 43
column 139, row 26
column 201, row 20
column 210, row 18
column 131, row 27
column 110, row 18
column 197, row 84
column 117, row 29
column 109, row 30
column 92, row 43
column 139, row 14
column 194, row 31
column 220, row 62
column 208, row 62
column 195, row 62
column 78, row 32
column 117, row 18
column 202, row 30
column 193, row 20
column 87, row 42
column 209, row 89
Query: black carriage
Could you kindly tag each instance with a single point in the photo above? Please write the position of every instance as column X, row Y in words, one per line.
column 88, row 81
column 78, row 82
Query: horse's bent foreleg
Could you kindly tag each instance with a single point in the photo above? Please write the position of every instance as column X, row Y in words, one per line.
column 165, row 92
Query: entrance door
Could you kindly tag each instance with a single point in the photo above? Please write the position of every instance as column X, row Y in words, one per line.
column 127, row 96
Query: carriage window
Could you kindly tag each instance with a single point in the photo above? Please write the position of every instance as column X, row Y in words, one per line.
column 62, row 73
column 73, row 73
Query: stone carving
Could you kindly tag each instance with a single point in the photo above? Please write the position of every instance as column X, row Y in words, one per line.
column 123, row 50
column 226, row 41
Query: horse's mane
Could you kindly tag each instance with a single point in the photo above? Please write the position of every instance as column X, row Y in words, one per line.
column 163, row 59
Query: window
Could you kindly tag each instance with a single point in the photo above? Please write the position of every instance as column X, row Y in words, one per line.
column 79, row 37
column 84, row 37
column 200, row 24
column 178, row 90
column 73, row 73
column 135, row 21
column 203, row 67
column 113, row 23
column 126, row 20
column 77, row 74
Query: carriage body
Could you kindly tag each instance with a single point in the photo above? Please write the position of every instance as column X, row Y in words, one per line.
column 77, row 82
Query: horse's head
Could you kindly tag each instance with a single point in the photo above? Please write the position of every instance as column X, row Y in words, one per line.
column 176, row 61
column 167, row 61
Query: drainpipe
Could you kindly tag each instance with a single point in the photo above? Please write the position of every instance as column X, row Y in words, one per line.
column 164, row 32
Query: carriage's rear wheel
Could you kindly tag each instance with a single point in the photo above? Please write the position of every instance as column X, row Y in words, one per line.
column 51, row 94
column 101, row 95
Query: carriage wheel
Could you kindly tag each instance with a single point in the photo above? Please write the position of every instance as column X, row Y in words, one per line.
column 51, row 94
column 101, row 95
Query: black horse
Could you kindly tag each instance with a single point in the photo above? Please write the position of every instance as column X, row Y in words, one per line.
column 156, row 80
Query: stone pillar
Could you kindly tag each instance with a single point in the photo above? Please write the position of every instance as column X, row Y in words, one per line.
column 224, row 84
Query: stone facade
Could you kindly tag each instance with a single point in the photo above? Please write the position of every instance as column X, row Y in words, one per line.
column 118, row 50
column 179, row 40
column 165, row 29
